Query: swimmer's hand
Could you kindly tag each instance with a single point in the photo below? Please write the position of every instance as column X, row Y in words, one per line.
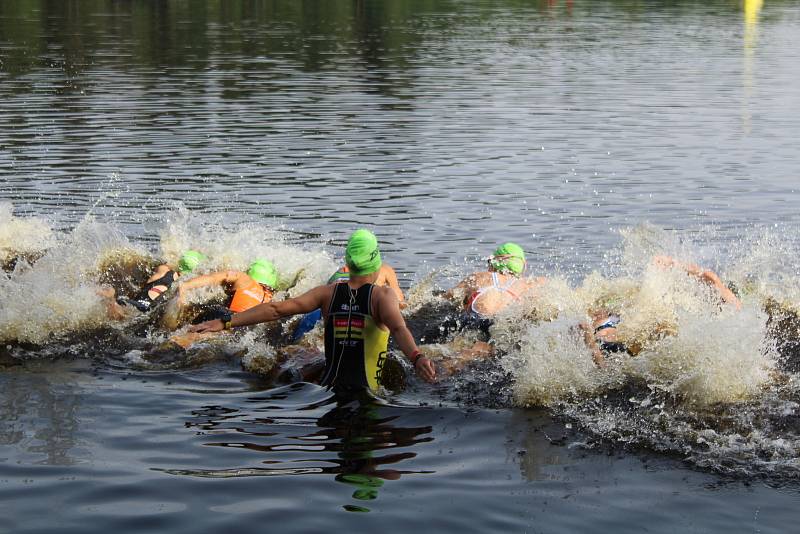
column 214, row 325
column 425, row 369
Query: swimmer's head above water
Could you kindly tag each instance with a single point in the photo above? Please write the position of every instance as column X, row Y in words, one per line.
column 190, row 260
column 509, row 258
column 263, row 272
column 363, row 256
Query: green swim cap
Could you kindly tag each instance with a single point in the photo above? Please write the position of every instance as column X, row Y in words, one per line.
column 263, row 272
column 362, row 255
column 508, row 258
column 189, row 261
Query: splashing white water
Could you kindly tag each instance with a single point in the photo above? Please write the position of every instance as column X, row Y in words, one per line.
column 22, row 237
column 299, row 269
column 58, row 294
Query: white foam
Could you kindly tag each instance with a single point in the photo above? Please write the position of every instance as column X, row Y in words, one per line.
column 22, row 236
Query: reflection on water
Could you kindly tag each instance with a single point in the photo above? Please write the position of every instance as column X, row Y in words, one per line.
column 40, row 416
column 443, row 123
column 364, row 434
column 352, row 439
column 751, row 10
column 534, row 441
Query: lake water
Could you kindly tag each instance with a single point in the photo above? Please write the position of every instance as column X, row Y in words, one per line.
column 594, row 133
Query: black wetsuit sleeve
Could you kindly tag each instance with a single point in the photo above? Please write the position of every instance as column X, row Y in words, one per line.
column 142, row 299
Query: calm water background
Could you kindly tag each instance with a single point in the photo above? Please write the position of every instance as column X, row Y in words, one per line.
column 448, row 126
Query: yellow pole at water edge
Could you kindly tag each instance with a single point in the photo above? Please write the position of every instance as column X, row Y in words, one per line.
column 751, row 11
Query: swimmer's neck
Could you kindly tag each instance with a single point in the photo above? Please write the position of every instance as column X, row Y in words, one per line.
column 357, row 281
column 493, row 270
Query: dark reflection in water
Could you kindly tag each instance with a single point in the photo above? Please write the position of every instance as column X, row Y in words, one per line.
column 363, row 435
column 40, row 416
column 355, row 440
column 157, row 462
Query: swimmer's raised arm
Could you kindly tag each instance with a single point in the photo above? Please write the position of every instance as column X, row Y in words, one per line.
column 213, row 279
column 459, row 291
column 160, row 271
column 532, row 284
column 706, row 276
column 207, row 280
column 711, row 278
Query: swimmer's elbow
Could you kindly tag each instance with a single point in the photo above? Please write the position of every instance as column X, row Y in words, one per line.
column 398, row 330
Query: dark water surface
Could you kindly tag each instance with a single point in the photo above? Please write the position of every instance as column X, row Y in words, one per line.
column 448, row 126
column 211, row 450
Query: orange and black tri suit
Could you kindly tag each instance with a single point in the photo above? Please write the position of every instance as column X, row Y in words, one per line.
column 243, row 299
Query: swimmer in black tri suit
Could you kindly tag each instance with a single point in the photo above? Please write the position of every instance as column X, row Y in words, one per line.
column 161, row 280
column 155, row 287
column 601, row 335
column 386, row 277
column 359, row 317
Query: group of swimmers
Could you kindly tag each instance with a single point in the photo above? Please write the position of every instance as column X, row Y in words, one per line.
column 360, row 308
column 244, row 289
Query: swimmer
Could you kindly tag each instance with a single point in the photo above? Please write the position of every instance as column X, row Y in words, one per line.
column 155, row 287
column 359, row 318
column 386, row 277
column 484, row 294
column 601, row 334
column 246, row 290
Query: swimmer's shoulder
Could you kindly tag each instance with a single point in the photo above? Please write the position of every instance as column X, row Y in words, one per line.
column 387, row 270
column 480, row 278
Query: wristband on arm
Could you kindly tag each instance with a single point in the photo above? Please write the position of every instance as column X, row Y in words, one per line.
column 415, row 356
column 226, row 318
